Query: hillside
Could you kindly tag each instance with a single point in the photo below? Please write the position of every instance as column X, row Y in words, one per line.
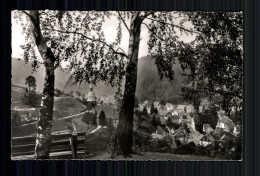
column 17, row 94
column 149, row 85
column 20, row 71
column 65, row 106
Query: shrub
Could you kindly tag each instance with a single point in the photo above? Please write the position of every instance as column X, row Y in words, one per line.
column 141, row 141
column 16, row 120
column 188, row 149
column 102, row 118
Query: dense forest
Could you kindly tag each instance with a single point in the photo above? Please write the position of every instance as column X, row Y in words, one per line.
column 151, row 87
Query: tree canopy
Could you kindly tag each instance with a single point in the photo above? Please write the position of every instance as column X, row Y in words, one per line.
column 213, row 62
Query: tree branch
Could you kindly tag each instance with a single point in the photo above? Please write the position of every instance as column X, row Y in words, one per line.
column 162, row 22
column 147, row 14
column 92, row 39
column 153, row 32
column 123, row 21
column 30, row 16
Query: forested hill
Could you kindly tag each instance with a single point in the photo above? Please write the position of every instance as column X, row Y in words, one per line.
column 149, row 85
column 20, row 71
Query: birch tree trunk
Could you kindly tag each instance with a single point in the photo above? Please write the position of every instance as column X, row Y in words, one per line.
column 124, row 134
column 44, row 124
column 43, row 138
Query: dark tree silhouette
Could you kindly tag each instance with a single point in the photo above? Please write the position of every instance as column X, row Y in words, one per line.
column 30, row 81
column 102, row 118
column 152, row 110
column 213, row 64
column 16, row 120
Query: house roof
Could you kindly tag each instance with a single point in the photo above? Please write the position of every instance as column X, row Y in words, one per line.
column 225, row 138
column 169, row 105
column 185, row 116
column 156, row 103
column 223, row 119
column 164, row 113
column 175, row 113
column 230, row 123
column 160, row 130
column 227, row 121
column 146, row 102
column 207, row 137
column 218, row 132
column 179, row 132
column 175, row 117
column 189, row 107
column 206, row 126
column 181, row 107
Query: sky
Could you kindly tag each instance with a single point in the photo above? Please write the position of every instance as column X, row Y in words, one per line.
column 109, row 29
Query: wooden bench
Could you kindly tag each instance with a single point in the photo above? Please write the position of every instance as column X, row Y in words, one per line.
column 62, row 145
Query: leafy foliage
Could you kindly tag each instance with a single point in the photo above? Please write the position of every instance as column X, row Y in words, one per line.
column 213, row 62
column 16, row 120
column 207, row 116
column 30, row 81
column 102, row 118
column 31, row 99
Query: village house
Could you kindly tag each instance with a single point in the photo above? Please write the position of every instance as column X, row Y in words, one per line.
column 224, row 140
column 186, row 118
column 189, row 108
column 226, row 124
column 207, row 140
column 161, row 108
column 181, row 135
column 169, row 106
column 176, row 119
column 175, row 113
column 218, row 132
column 156, row 104
column 166, row 114
column 160, row 133
column 28, row 114
column 237, row 130
column 194, row 136
column 180, row 108
column 147, row 104
column 207, row 129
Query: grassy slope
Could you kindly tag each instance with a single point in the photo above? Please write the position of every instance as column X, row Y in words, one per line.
column 17, row 93
column 64, row 106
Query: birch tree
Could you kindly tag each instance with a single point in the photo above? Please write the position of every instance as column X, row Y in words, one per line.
column 78, row 39
column 121, row 66
column 45, row 34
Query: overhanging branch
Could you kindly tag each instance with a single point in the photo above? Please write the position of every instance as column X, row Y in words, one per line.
column 153, row 32
column 92, row 39
column 123, row 21
column 182, row 28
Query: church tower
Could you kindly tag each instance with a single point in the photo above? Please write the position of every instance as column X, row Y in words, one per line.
column 91, row 99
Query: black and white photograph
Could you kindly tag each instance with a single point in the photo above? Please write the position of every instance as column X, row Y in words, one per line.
column 127, row 85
